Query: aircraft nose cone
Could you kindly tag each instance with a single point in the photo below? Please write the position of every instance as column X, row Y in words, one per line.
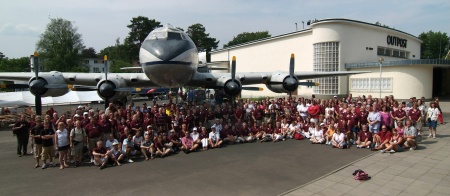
column 37, row 87
column 166, row 50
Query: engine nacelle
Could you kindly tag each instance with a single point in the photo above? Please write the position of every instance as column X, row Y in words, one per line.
column 230, row 87
column 282, row 83
column 37, row 87
column 106, row 89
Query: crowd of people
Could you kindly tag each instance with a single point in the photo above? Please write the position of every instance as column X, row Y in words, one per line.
column 120, row 134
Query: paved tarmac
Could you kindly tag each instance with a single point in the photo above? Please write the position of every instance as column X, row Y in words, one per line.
column 287, row 168
column 425, row 171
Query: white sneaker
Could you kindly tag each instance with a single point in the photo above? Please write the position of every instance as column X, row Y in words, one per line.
column 358, row 146
column 429, row 135
column 392, row 151
column 382, row 151
column 411, row 148
column 368, row 147
column 130, row 161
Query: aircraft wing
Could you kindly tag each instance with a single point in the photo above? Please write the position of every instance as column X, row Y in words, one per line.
column 85, row 79
column 251, row 78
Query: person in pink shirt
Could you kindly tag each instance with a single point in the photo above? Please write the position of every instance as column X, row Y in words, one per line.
column 188, row 144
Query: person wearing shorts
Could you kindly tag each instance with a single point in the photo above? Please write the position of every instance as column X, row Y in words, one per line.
column 62, row 144
column 101, row 155
column 35, row 134
column 48, row 149
column 77, row 141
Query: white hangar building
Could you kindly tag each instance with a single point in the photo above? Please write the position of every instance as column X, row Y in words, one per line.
column 345, row 45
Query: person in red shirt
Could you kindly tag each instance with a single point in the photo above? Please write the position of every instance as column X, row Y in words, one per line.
column 415, row 115
column 188, row 144
column 314, row 111
column 94, row 132
column 382, row 138
column 364, row 138
column 101, row 155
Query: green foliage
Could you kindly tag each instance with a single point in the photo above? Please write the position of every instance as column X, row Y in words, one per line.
column 247, row 37
column 140, row 27
column 117, row 64
column 89, row 53
column 59, row 47
column 15, row 65
column 383, row 25
column 119, row 51
column 435, row 45
column 204, row 43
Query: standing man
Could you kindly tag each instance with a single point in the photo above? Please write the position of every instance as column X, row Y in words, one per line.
column 48, row 148
column 21, row 130
column 35, row 135
column 94, row 133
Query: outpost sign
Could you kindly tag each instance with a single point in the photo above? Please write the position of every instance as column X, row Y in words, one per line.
column 396, row 41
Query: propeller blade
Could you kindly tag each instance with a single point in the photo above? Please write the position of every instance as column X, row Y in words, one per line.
column 105, row 59
column 2, row 86
column 36, row 64
column 291, row 66
column 233, row 68
column 127, row 89
column 251, row 88
column 308, row 84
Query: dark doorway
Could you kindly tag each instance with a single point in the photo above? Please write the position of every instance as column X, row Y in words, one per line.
column 438, row 74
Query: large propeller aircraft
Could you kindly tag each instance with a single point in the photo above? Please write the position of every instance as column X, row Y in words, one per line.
column 169, row 58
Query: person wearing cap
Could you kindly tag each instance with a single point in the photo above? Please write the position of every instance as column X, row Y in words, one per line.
column 196, row 136
column 214, row 138
column 85, row 119
column 147, row 147
column 116, row 154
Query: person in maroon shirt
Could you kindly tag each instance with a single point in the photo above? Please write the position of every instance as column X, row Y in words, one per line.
column 364, row 138
column 94, row 133
column 353, row 123
column 238, row 114
column 399, row 115
column 382, row 138
column 101, row 155
column 160, row 149
column 106, row 126
column 415, row 116
column 135, row 125
column 363, row 116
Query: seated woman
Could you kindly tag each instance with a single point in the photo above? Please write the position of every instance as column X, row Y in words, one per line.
column 267, row 134
column 317, row 136
column 396, row 143
column 330, row 132
column 278, row 133
column 338, row 140
column 204, row 138
column 364, row 139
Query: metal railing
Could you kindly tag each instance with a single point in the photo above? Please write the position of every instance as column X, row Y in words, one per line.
column 399, row 63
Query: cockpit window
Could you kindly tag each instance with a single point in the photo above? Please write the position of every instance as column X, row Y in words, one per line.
column 174, row 36
column 158, row 35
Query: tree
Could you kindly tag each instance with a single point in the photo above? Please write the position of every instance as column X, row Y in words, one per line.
column 204, row 43
column 435, row 45
column 59, row 47
column 117, row 64
column 89, row 53
column 247, row 37
column 15, row 65
column 383, row 25
column 140, row 27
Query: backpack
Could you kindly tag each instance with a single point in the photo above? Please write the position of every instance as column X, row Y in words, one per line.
column 299, row 136
column 361, row 175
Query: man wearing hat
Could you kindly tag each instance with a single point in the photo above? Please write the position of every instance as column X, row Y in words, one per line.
column 116, row 154
column 214, row 138
column 147, row 147
column 85, row 120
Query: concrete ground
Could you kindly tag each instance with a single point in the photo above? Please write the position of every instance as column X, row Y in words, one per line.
column 289, row 168
column 425, row 171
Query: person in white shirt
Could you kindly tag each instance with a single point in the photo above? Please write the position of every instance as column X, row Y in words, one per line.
column 214, row 138
column 338, row 140
column 63, row 144
column 317, row 136
column 302, row 110
column 432, row 116
column 110, row 141
column 195, row 136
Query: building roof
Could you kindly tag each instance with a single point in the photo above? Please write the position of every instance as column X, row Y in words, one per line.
column 313, row 23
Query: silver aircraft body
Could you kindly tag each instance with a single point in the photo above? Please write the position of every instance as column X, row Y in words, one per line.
column 169, row 58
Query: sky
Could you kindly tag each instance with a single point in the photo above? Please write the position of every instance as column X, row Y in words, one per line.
column 101, row 22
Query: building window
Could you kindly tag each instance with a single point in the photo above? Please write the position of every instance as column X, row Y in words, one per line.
column 371, row 84
column 95, row 61
column 326, row 59
column 382, row 51
column 96, row 70
column 86, row 61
